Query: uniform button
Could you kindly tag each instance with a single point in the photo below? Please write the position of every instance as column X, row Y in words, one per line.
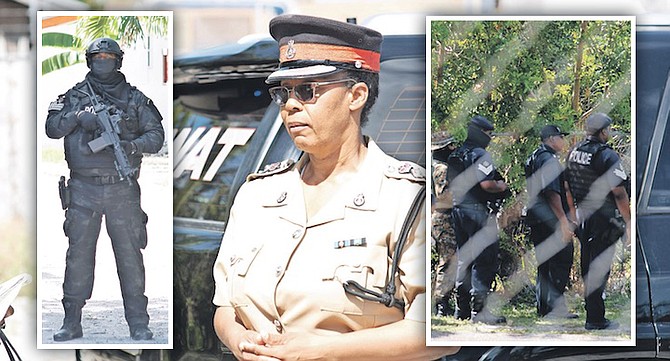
column 359, row 200
column 253, row 250
column 278, row 326
column 282, row 197
column 391, row 169
column 297, row 233
column 279, row 270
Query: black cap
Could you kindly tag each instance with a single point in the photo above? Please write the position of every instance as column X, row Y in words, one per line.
column 551, row 130
column 597, row 122
column 440, row 140
column 481, row 122
column 311, row 46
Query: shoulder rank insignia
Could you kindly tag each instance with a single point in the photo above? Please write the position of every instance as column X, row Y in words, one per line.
column 407, row 170
column 271, row 169
column 58, row 104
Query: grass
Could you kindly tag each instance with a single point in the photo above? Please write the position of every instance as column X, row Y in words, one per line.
column 522, row 320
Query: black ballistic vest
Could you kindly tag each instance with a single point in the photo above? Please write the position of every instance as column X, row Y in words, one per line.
column 460, row 160
column 581, row 173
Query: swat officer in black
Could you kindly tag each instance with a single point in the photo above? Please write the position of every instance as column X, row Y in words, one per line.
column 551, row 222
column 597, row 181
column 475, row 184
column 96, row 186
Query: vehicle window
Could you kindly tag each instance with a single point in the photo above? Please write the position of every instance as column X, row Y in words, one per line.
column 660, row 187
column 208, row 152
column 398, row 119
column 652, row 110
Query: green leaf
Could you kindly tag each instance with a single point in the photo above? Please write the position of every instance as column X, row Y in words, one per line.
column 61, row 40
column 60, row 61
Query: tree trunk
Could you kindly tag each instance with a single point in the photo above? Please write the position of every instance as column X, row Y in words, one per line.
column 578, row 68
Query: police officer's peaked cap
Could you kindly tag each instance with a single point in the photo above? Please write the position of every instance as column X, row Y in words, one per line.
column 481, row 122
column 551, row 130
column 311, row 46
column 596, row 122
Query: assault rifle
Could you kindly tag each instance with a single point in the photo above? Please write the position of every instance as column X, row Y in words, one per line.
column 110, row 136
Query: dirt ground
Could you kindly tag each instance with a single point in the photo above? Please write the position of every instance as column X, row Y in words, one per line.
column 103, row 321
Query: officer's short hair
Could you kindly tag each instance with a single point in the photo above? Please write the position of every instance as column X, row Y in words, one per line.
column 597, row 122
column 372, row 81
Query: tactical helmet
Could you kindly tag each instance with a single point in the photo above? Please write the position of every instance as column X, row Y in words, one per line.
column 476, row 131
column 104, row 45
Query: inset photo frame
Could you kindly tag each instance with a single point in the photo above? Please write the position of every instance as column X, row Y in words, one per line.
column 104, row 161
column 531, row 122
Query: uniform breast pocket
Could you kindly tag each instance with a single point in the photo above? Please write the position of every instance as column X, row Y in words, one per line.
column 366, row 266
column 240, row 264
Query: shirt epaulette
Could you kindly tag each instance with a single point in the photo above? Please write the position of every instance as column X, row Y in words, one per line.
column 272, row 169
column 406, row 170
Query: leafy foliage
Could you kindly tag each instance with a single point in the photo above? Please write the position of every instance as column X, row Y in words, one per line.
column 525, row 74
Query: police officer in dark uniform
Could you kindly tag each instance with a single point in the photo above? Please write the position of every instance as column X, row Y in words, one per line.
column 475, row 183
column 442, row 231
column 96, row 186
column 551, row 224
column 597, row 181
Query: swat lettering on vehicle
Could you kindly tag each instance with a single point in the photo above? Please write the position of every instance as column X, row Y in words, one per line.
column 193, row 148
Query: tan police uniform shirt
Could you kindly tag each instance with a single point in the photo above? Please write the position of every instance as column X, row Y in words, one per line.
column 282, row 274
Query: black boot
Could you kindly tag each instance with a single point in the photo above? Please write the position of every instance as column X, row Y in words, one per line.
column 462, row 310
column 141, row 332
column 481, row 314
column 71, row 328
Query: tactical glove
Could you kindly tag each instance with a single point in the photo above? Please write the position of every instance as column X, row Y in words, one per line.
column 129, row 147
column 88, row 120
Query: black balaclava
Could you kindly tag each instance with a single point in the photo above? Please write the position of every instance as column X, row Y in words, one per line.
column 108, row 81
column 103, row 69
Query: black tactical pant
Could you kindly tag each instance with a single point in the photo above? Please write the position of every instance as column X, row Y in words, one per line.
column 554, row 258
column 126, row 227
column 477, row 252
column 597, row 236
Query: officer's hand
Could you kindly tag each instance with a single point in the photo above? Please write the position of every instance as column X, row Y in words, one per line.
column 87, row 120
column 241, row 347
column 129, row 147
column 287, row 347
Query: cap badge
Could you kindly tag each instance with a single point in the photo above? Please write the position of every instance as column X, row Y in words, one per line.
column 290, row 52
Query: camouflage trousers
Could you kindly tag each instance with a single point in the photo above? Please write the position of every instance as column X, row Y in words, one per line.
column 126, row 226
column 443, row 266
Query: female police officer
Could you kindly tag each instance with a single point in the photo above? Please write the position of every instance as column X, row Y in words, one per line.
column 298, row 233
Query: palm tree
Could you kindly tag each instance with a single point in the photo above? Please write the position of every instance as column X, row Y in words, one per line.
column 124, row 29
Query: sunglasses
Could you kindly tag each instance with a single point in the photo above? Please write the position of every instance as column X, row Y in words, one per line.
column 304, row 92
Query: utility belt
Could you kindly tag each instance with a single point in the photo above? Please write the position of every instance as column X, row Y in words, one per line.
column 96, row 180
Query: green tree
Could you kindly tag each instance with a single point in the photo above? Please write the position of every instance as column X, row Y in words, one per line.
column 126, row 30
